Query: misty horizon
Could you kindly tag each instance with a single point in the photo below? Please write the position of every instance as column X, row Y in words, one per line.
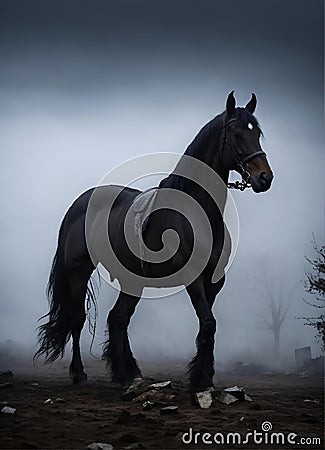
column 88, row 89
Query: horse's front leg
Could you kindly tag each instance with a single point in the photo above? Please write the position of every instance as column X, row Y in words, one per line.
column 201, row 368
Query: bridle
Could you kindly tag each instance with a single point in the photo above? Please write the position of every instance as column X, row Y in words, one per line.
column 241, row 162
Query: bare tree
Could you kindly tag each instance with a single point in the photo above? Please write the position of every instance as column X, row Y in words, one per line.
column 315, row 287
column 275, row 302
column 277, row 314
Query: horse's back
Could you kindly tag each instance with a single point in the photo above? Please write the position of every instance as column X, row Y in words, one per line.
column 99, row 197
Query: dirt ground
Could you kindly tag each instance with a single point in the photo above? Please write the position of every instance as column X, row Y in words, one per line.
column 95, row 412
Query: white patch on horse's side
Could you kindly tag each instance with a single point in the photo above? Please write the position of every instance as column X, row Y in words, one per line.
column 250, row 126
column 142, row 206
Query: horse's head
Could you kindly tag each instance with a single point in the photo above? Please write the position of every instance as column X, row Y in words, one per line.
column 242, row 148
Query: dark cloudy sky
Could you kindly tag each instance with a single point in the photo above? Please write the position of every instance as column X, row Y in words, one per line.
column 85, row 85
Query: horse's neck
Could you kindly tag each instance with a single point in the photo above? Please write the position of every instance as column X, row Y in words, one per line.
column 205, row 184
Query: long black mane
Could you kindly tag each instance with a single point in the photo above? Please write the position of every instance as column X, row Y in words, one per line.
column 197, row 148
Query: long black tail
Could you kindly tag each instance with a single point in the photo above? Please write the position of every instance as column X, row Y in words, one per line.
column 54, row 335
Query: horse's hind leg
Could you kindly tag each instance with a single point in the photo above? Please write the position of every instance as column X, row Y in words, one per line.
column 117, row 350
column 78, row 287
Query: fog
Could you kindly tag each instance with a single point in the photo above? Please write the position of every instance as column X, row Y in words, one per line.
column 87, row 85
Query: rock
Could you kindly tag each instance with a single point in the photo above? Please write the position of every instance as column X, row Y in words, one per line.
column 315, row 400
column 226, row 398
column 100, row 446
column 232, row 394
column 148, row 405
column 34, row 385
column 49, row 401
column 6, row 385
column 59, row 400
column 161, row 385
column 141, row 386
column 8, row 410
column 202, row 399
column 236, row 392
column 155, row 396
column 138, row 387
column 169, row 410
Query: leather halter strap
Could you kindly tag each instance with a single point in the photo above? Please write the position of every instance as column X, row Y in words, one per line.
column 252, row 156
column 240, row 161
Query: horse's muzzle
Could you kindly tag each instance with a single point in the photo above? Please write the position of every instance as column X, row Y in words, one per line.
column 262, row 182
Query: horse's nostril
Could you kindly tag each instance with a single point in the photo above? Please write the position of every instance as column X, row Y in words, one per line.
column 264, row 178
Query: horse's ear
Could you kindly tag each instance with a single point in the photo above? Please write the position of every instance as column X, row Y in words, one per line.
column 231, row 103
column 251, row 105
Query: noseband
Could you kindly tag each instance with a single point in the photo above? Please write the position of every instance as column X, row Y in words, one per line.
column 241, row 162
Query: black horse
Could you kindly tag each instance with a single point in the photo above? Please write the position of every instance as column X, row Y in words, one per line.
column 93, row 232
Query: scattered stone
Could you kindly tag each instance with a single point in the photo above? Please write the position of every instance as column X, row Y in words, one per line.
column 6, row 374
column 4, row 403
column 49, row 401
column 100, row 446
column 226, row 398
column 138, row 387
column 8, row 410
column 59, row 400
column 169, row 410
column 202, row 399
column 142, row 386
column 247, row 398
column 315, row 400
column 6, row 385
column 236, row 392
column 161, row 385
column 148, row 405
column 154, row 396
column 34, row 385
column 242, row 419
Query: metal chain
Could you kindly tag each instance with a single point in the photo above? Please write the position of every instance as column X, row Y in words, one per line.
column 243, row 184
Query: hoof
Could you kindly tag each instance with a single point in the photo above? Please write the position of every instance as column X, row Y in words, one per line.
column 134, row 382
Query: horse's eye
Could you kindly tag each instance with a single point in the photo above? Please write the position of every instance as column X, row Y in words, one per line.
column 250, row 126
